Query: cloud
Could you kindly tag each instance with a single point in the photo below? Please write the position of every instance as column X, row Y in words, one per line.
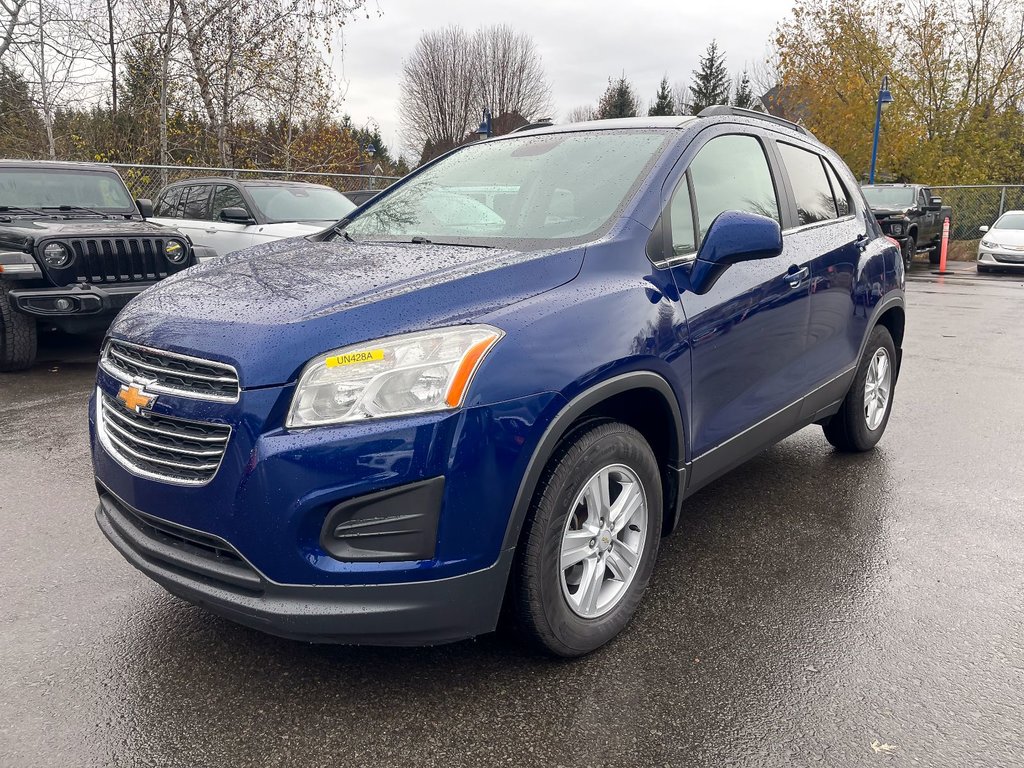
column 582, row 44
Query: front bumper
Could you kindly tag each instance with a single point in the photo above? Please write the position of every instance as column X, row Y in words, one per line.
column 72, row 301
column 207, row 571
column 1000, row 259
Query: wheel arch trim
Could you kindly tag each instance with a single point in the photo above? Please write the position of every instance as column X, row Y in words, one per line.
column 563, row 420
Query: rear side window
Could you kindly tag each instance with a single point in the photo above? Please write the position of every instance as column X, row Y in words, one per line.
column 730, row 173
column 195, row 203
column 167, row 202
column 839, row 192
column 814, row 201
column 226, row 197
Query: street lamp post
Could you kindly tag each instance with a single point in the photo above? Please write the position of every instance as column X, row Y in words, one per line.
column 884, row 100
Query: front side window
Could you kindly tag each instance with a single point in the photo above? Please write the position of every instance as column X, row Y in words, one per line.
column 814, row 201
column 684, row 237
column 526, row 192
column 731, row 173
column 226, row 196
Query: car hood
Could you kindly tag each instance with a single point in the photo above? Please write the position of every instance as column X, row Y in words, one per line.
column 883, row 213
column 1005, row 236
column 268, row 310
column 24, row 233
column 293, row 228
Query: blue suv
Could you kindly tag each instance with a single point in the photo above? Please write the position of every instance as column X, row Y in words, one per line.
column 497, row 382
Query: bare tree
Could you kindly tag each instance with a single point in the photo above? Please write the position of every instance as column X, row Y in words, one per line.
column 440, row 91
column 582, row 114
column 12, row 20
column 510, row 75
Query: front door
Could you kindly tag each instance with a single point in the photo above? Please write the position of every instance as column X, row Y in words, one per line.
column 748, row 333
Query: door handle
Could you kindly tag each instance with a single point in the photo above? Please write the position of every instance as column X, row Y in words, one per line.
column 211, row 231
column 862, row 242
column 796, row 276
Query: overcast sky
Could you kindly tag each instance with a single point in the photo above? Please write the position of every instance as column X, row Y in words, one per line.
column 581, row 43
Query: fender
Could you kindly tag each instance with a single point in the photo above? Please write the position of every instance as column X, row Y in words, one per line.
column 576, row 407
column 893, row 298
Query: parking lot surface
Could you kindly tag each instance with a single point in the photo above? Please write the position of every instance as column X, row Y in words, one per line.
column 813, row 609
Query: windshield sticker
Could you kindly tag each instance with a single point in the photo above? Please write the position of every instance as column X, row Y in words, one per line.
column 353, row 358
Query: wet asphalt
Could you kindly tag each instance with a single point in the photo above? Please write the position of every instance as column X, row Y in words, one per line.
column 813, row 609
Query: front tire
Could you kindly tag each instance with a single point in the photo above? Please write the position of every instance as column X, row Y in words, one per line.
column 909, row 248
column 935, row 254
column 591, row 540
column 17, row 335
column 864, row 414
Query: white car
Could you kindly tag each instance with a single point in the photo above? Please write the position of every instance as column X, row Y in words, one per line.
column 1002, row 244
column 222, row 215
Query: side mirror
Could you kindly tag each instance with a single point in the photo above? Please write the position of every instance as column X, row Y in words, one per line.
column 145, row 206
column 236, row 216
column 733, row 236
column 934, row 203
column 983, row 228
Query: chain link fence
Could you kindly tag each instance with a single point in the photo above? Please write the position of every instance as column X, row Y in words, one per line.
column 147, row 180
column 978, row 205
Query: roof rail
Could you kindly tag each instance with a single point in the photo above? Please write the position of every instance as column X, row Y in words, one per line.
column 544, row 122
column 718, row 110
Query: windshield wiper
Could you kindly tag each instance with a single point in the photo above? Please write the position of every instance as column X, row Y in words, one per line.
column 420, row 240
column 14, row 208
column 344, row 233
column 69, row 208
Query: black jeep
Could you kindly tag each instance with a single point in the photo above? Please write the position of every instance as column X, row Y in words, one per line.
column 74, row 249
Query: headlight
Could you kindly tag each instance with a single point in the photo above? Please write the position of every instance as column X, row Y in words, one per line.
column 897, row 229
column 986, row 243
column 413, row 373
column 57, row 255
column 175, row 251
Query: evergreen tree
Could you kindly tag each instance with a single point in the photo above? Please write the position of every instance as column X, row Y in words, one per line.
column 664, row 104
column 619, row 100
column 710, row 80
column 744, row 95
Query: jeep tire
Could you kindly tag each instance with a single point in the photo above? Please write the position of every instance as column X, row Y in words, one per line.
column 17, row 334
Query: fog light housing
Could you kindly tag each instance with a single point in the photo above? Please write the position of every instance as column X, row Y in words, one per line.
column 64, row 305
column 897, row 229
column 57, row 255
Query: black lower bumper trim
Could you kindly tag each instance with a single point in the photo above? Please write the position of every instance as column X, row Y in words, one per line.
column 75, row 301
column 409, row 614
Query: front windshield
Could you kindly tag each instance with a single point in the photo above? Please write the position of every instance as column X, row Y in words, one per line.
column 889, row 197
column 287, row 203
column 1010, row 221
column 46, row 188
column 526, row 192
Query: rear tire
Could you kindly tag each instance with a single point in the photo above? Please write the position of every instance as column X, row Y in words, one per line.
column 862, row 418
column 586, row 556
column 17, row 335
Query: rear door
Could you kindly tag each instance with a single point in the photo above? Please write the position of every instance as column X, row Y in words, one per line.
column 192, row 211
column 834, row 235
column 224, row 236
column 747, row 334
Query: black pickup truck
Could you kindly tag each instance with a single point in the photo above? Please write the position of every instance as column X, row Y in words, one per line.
column 909, row 214
column 74, row 249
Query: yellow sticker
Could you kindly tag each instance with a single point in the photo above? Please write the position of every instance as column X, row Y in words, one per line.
column 352, row 358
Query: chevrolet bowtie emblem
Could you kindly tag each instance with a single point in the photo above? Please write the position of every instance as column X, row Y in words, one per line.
column 135, row 398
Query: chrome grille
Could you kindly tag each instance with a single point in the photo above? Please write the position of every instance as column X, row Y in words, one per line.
column 161, row 447
column 169, row 373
